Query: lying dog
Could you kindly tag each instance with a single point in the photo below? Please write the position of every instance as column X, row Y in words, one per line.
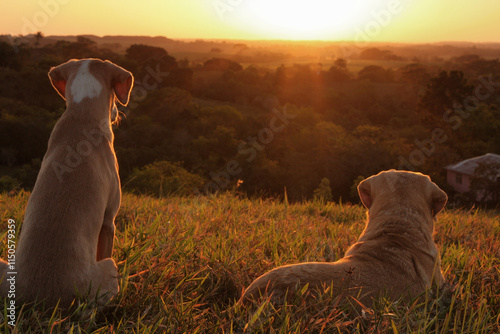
column 395, row 256
column 67, row 236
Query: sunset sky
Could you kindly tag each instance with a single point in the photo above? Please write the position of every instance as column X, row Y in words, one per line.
column 367, row 20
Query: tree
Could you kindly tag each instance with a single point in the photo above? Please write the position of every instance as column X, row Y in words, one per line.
column 8, row 57
column 485, row 184
column 85, row 41
column 445, row 91
column 142, row 53
column 324, row 192
column 240, row 47
column 38, row 37
column 375, row 73
column 414, row 74
column 222, row 64
column 340, row 63
column 8, row 183
column 354, row 188
column 164, row 178
column 338, row 73
column 377, row 54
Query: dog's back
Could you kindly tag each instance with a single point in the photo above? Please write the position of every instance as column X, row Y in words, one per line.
column 395, row 256
column 58, row 239
column 77, row 189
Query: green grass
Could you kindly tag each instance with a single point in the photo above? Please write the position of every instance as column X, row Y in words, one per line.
column 184, row 261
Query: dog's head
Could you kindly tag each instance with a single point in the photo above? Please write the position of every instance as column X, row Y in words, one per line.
column 393, row 186
column 77, row 80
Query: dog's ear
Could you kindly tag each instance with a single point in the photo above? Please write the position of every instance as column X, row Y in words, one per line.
column 59, row 77
column 438, row 198
column 365, row 192
column 122, row 82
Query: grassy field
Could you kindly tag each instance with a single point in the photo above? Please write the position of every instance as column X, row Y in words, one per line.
column 184, row 262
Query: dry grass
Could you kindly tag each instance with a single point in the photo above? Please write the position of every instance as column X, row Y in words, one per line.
column 184, row 262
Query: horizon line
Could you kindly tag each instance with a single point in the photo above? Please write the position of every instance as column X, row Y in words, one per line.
column 260, row 39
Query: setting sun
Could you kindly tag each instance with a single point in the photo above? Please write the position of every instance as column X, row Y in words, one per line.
column 316, row 19
column 202, row 166
column 422, row 21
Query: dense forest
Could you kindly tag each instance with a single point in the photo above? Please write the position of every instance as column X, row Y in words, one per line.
column 303, row 129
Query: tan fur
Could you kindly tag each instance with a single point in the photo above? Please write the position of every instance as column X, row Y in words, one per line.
column 395, row 256
column 66, row 240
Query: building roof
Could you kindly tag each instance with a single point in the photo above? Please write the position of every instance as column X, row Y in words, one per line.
column 469, row 166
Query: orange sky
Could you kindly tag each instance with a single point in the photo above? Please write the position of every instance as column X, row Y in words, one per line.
column 366, row 20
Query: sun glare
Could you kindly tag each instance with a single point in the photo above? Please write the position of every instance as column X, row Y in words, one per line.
column 311, row 19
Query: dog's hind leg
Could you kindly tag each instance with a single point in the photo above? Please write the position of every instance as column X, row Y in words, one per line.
column 106, row 236
column 105, row 242
column 104, row 280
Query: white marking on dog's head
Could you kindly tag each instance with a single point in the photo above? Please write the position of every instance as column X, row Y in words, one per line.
column 85, row 84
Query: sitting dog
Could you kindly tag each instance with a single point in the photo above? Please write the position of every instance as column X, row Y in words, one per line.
column 66, row 240
column 394, row 257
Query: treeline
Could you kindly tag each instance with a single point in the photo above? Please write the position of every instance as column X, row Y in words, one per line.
column 216, row 125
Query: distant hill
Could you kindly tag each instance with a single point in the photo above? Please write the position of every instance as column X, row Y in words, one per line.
column 320, row 50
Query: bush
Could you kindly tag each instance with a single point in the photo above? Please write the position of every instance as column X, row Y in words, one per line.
column 8, row 183
column 163, row 178
column 324, row 192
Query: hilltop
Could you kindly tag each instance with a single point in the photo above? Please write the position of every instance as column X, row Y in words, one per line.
column 184, row 261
